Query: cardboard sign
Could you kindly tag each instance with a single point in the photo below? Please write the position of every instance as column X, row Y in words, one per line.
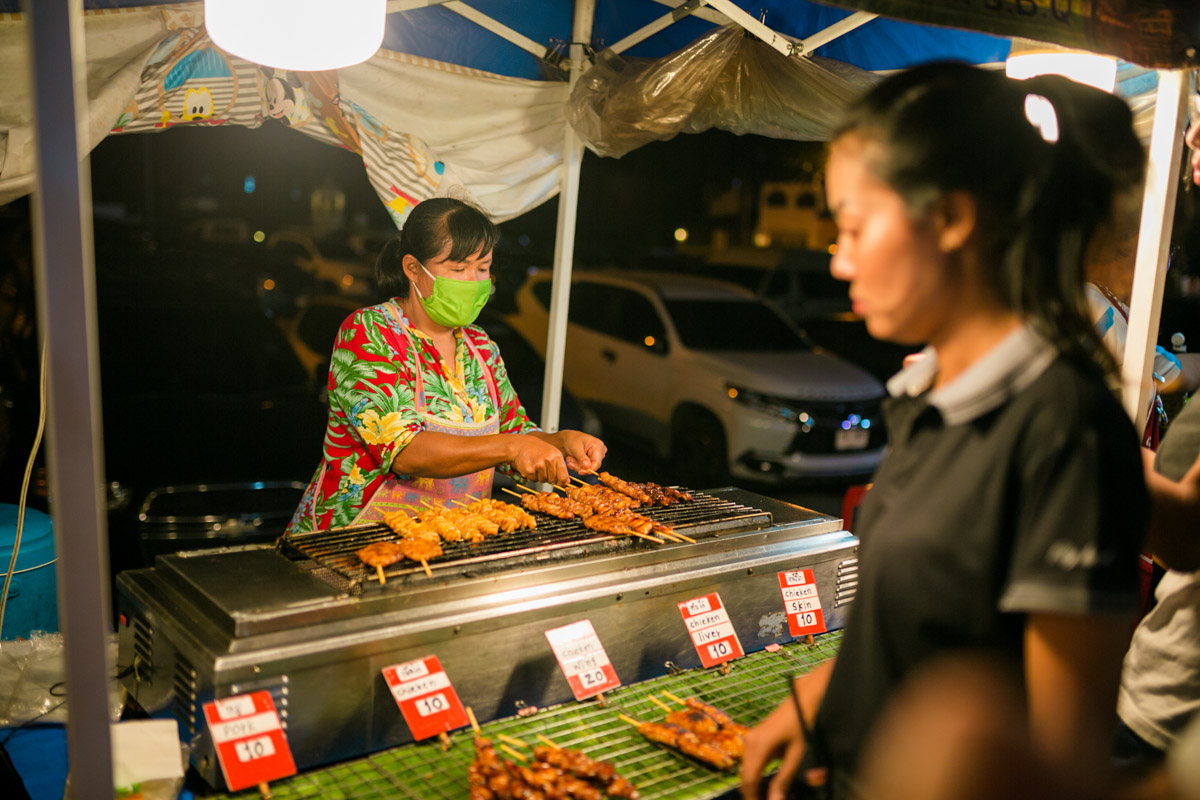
column 712, row 633
column 427, row 700
column 582, row 659
column 251, row 747
column 801, row 602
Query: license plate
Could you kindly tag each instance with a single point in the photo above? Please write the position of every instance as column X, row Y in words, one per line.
column 853, row 439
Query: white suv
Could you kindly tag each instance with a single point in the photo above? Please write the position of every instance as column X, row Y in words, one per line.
column 712, row 377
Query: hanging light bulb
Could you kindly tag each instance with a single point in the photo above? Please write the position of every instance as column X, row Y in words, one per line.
column 298, row 35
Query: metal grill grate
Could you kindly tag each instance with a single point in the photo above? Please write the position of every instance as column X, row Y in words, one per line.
column 335, row 549
column 754, row 686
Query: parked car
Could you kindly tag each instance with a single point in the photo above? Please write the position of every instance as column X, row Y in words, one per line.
column 311, row 333
column 714, row 379
column 211, row 431
column 799, row 283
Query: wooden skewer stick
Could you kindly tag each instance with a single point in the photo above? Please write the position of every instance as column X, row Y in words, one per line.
column 659, row 703
column 646, row 536
column 425, row 566
column 379, row 572
column 581, row 483
column 474, row 722
column 562, row 489
column 525, row 488
column 546, row 741
column 674, row 699
column 515, row 742
column 510, row 491
column 630, row 720
column 687, row 539
column 513, row 753
column 264, row 790
column 444, row 741
column 589, row 472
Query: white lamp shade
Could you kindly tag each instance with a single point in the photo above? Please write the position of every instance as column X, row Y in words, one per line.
column 1087, row 68
column 298, row 35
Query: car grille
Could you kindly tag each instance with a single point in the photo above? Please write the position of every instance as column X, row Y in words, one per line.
column 827, row 419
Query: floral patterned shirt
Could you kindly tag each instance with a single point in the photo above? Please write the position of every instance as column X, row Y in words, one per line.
column 372, row 408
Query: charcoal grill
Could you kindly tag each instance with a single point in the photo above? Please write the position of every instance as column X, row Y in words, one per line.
column 208, row 624
column 335, row 549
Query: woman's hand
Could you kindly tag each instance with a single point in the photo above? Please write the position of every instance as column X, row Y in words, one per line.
column 582, row 451
column 778, row 733
column 537, row 459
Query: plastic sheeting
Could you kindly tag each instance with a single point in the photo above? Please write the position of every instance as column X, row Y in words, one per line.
column 724, row 80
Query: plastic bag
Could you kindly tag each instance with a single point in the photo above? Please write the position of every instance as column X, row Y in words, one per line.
column 31, row 680
column 725, row 79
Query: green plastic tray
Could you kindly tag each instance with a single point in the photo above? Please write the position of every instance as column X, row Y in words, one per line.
column 753, row 687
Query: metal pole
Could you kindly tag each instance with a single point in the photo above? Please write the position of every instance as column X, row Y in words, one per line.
column 564, row 243
column 67, row 320
column 1154, row 241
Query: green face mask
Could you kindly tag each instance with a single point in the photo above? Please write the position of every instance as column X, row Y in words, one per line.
column 454, row 303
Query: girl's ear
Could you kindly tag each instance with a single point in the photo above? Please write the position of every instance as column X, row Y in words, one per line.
column 955, row 217
column 411, row 268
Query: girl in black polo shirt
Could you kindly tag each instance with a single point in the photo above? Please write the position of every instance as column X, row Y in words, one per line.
column 1008, row 515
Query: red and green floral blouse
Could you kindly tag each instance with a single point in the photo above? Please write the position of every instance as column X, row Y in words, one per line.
column 372, row 410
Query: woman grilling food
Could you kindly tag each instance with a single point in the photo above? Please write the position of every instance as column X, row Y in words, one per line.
column 421, row 410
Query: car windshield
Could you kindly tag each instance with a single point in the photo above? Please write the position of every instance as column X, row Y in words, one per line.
column 742, row 325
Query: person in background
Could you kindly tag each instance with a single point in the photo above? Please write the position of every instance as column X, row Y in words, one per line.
column 420, row 406
column 1007, row 517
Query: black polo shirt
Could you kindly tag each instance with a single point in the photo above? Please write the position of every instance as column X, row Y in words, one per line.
column 1017, row 488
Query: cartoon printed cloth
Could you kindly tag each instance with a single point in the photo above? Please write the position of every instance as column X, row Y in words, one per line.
column 154, row 68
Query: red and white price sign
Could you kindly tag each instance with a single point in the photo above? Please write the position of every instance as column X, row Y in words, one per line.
column 582, row 659
column 251, row 747
column 801, row 602
column 427, row 700
column 712, row 633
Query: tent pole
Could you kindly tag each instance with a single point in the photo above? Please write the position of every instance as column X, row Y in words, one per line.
column 1154, row 241
column 564, row 241
column 66, row 295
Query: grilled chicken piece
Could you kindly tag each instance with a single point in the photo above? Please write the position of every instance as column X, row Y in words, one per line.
column 420, row 549
column 553, row 505
column 599, row 496
column 693, row 720
column 507, row 517
column 381, row 554
column 606, row 524
column 717, row 714
column 676, row 494
column 636, row 491
column 687, row 743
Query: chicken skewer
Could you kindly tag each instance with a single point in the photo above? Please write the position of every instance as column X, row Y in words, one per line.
column 683, row 740
column 660, row 495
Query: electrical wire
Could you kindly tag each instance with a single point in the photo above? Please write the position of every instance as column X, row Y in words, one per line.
column 37, row 443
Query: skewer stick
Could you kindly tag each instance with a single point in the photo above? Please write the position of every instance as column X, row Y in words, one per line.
column 425, row 566
column 510, row 491
column 379, row 572
column 561, row 488
column 646, row 536
column 630, row 720
column 444, row 741
column 674, row 699
column 546, row 741
column 589, row 472
column 474, row 722
column 515, row 742
column 513, row 753
column 527, row 489
column 659, row 703
column 687, row 539
column 581, row 483
column 264, row 790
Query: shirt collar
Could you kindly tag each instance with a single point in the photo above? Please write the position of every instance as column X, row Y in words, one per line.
column 1005, row 370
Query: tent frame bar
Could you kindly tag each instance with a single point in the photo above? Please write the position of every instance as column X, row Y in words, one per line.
column 665, row 21
column 1154, row 241
column 479, row 18
column 65, row 270
column 839, row 28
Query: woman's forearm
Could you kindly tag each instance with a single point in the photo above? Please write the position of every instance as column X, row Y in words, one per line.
column 445, row 455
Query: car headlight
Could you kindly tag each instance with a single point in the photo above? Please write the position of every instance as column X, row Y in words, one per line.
column 775, row 406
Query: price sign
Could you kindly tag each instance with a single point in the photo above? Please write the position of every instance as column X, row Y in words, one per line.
column 582, row 659
column 251, row 746
column 801, row 602
column 427, row 700
column 712, row 633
